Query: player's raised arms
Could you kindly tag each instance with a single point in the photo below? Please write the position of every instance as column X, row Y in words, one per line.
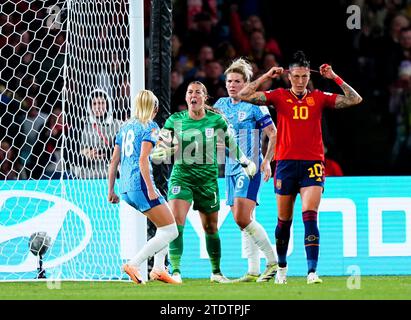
column 350, row 97
column 250, row 93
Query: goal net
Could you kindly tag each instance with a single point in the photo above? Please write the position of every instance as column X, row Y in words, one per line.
column 64, row 89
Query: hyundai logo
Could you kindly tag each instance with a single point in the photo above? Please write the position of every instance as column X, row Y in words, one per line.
column 50, row 221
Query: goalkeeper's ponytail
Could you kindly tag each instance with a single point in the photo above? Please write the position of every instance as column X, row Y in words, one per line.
column 145, row 103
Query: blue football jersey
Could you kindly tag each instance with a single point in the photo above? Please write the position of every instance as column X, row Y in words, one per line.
column 246, row 122
column 129, row 138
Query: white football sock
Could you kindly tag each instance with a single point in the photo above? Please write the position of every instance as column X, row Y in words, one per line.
column 164, row 235
column 159, row 259
column 252, row 253
column 257, row 233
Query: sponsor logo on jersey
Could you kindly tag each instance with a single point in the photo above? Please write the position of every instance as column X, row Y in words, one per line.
column 289, row 101
column 176, row 190
column 209, row 132
column 241, row 116
column 310, row 101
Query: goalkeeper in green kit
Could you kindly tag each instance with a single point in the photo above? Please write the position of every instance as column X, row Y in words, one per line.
column 192, row 136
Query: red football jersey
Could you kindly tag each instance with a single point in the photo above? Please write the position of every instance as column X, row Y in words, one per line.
column 299, row 135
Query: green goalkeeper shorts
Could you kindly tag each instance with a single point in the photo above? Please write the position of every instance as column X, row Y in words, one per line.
column 204, row 198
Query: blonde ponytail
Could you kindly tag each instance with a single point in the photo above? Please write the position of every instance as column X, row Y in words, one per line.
column 145, row 103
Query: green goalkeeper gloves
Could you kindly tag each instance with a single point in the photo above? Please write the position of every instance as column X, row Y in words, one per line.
column 249, row 167
column 162, row 153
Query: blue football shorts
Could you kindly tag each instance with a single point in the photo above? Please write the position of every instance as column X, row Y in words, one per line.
column 240, row 186
column 140, row 201
column 291, row 175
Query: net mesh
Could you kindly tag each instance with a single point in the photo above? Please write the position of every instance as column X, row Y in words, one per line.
column 64, row 88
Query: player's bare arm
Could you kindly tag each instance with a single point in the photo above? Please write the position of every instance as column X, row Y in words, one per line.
column 350, row 97
column 271, row 132
column 112, row 171
column 250, row 94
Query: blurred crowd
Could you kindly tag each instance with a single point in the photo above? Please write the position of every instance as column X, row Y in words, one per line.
column 372, row 139
column 383, row 51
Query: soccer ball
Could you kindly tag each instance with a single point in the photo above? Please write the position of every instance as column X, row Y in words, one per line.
column 167, row 139
column 39, row 243
column 165, row 147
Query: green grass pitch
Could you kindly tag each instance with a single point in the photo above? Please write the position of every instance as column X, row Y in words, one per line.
column 333, row 288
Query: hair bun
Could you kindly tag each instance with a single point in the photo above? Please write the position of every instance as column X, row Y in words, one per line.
column 299, row 56
column 300, row 60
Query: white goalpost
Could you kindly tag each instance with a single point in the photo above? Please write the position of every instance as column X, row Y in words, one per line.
column 69, row 70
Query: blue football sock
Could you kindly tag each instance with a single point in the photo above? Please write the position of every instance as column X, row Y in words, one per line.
column 282, row 236
column 311, row 239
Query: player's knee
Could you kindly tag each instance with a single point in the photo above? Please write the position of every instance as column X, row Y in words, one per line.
column 210, row 228
column 242, row 222
column 241, row 218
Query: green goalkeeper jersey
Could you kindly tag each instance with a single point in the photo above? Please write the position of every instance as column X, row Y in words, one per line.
column 195, row 161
